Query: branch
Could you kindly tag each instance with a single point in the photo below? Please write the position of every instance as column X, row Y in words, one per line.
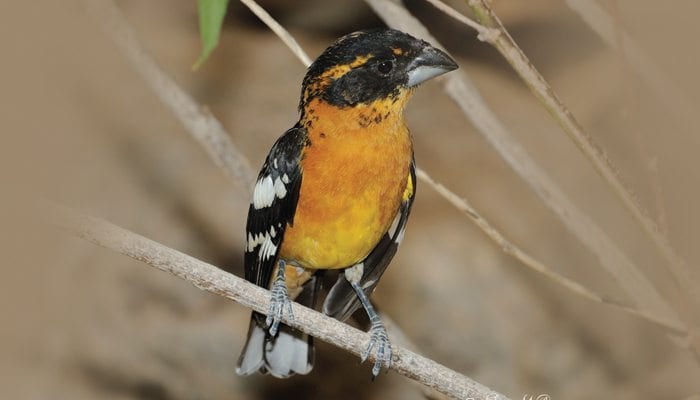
column 486, row 34
column 278, row 30
column 212, row 279
column 684, row 277
column 514, row 251
column 468, row 98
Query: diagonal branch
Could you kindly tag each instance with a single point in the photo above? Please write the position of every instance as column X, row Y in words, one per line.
column 485, row 33
column 514, row 251
column 212, row 279
column 685, row 278
column 278, row 30
column 505, row 44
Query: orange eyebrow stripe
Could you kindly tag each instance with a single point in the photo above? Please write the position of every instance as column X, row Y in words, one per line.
column 340, row 70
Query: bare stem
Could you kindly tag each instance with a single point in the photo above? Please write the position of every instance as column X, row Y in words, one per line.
column 212, row 279
column 486, row 34
column 278, row 30
column 684, row 277
column 514, row 251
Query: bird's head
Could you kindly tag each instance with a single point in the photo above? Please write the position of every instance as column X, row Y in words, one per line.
column 371, row 66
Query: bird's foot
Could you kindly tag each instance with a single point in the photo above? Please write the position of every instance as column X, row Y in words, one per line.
column 379, row 341
column 279, row 302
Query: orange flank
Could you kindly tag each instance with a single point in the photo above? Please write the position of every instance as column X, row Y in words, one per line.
column 354, row 179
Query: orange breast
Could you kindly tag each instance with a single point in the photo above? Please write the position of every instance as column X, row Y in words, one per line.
column 354, row 175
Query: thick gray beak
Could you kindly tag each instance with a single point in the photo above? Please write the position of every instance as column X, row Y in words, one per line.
column 429, row 63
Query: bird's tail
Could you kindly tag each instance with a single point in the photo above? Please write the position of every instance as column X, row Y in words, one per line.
column 290, row 352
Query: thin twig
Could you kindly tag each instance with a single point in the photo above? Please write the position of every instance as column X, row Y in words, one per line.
column 468, row 98
column 684, row 277
column 486, row 34
column 212, row 279
column 514, row 251
column 278, row 30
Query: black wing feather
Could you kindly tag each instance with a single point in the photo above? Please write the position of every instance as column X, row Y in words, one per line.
column 270, row 221
column 342, row 301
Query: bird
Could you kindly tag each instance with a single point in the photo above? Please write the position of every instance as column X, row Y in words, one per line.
column 335, row 193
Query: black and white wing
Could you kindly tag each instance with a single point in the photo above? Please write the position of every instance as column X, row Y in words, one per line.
column 342, row 301
column 273, row 205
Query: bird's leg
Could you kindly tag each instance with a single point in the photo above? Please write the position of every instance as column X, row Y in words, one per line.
column 379, row 339
column 279, row 302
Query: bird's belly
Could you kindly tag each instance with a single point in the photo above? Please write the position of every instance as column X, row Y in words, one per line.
column 348, row 200
column 337, row 234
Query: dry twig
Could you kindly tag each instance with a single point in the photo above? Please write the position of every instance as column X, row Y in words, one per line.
column 467, row 97
column 212, row 279
column 514, row 251
column 278, row 30
column 684, row 277
column 486, row 34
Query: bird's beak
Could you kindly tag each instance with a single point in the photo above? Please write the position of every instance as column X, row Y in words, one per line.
column 429, row 63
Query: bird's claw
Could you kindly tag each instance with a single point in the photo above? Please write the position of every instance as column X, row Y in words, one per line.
column 279, row 303
column 379, row 340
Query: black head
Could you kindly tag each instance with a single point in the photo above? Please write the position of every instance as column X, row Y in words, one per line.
column 370, row 65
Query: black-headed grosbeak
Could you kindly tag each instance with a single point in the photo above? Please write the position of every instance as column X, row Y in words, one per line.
column 335, row 192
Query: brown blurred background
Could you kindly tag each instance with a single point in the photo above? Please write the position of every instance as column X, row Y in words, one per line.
column 80, row 127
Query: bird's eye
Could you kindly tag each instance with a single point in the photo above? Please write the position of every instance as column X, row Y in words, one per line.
column 385, row 66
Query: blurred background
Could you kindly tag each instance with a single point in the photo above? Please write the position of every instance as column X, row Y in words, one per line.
column 80, row 127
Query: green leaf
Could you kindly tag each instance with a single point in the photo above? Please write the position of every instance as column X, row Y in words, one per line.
column 211, row 17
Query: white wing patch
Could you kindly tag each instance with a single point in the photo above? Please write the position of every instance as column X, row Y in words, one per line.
column 266, row 189
column 280, row 189
column 264, row 193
